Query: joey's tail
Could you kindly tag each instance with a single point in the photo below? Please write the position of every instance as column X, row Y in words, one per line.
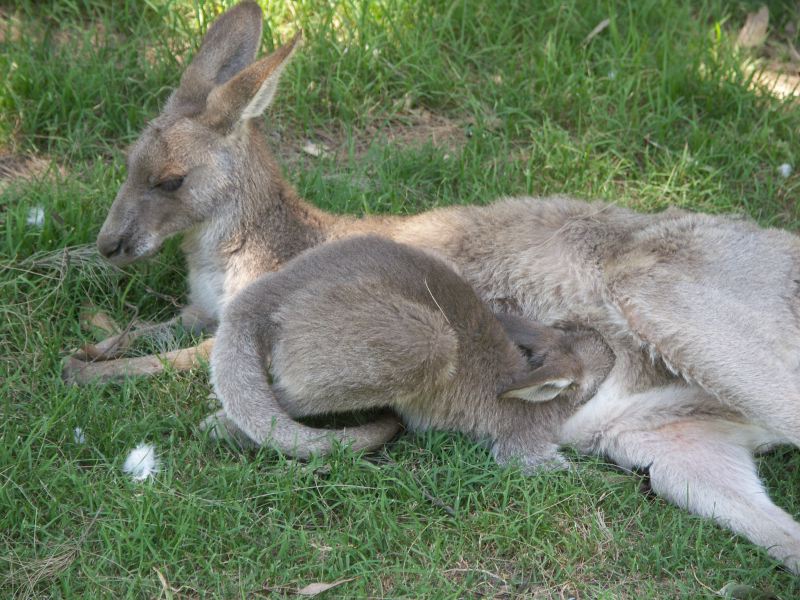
column 239, row 376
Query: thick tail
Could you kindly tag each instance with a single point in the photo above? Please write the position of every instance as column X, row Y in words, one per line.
column 239, row 376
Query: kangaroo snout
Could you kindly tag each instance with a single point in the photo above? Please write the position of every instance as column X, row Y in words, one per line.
column 119, row 249
column 110, row 246
column 123, row 249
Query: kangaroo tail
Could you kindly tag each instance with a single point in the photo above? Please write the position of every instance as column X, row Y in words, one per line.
column 239, row 375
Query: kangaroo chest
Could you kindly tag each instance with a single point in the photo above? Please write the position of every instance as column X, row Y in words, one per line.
column 206, row 291
column 207, row 274
column 217, row 271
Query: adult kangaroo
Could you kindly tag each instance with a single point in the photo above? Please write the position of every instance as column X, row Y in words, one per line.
column 702, row 312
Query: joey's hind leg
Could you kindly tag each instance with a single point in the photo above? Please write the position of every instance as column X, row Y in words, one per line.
column 707, row 467
column 532, row 460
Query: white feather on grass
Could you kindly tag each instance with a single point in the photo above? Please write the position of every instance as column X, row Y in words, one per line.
column 785, row 170
column 78, row 436
column 36, row 217
column 142, row 462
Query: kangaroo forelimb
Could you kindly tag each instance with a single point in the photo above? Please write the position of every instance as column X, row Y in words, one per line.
column 81, row 372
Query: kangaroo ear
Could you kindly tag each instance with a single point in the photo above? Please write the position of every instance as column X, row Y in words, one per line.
column 230, row 44
column 250, row 92
column 540, row 385
column 529, row 335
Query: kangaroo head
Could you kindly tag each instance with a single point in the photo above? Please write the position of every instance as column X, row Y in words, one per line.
column 553, row 367
column 191, row 162
column 561, row 363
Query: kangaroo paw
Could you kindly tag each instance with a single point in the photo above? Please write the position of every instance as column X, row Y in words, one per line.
column 112, row 346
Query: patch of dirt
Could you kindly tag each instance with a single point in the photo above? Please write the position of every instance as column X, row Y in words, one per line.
column 775, row 61
column 486, row 583
column 99, row 36
column 14, row 167
column 413, row 129
column 13, row 29
column 10, row 29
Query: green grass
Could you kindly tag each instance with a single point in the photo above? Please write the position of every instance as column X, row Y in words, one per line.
column 653, row 111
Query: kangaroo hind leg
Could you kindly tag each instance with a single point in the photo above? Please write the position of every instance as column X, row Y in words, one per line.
column 706, row 466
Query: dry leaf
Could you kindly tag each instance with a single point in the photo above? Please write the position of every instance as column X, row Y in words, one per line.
column 312, row 589
column 754, row 32
column 780, row 85
column 165, row 587
column 601, row 26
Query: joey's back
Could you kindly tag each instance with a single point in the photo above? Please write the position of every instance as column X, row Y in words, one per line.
column 385, row 321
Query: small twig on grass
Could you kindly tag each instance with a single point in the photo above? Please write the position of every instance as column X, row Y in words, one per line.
column 601, row 26
column 650, row 142
column 489, row 574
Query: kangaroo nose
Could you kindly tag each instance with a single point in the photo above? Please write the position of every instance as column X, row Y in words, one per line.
column 109, row 247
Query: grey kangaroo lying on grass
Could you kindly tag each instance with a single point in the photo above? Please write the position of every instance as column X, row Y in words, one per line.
column 367, row 323
column 701, row 312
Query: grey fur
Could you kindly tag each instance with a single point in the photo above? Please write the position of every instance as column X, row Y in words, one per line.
column 702, row 312
column 367, row 323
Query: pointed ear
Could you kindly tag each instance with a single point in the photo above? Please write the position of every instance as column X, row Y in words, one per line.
column 529, row 335
column 230, row 44
column 540, row 385
column 250, row 92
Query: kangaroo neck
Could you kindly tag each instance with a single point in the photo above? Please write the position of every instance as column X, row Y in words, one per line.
column 267, row 222
column 262, row 225
column 278, row 226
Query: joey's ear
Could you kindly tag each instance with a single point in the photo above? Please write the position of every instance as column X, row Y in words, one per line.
column 528, row 334
column 230, row 44
column 250, row 92
column 540, row 385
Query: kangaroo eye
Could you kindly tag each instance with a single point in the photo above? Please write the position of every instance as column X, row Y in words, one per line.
column 170, row 185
